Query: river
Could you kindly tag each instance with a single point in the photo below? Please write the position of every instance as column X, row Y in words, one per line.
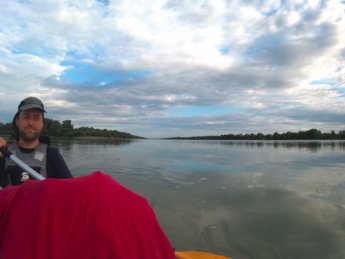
column 260, row 199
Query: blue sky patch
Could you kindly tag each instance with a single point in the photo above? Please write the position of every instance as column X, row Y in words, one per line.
column 81, row 74
column 325, row 81
column 342, row 90
column 105, row 2
column 203, row 110
column 225, row 51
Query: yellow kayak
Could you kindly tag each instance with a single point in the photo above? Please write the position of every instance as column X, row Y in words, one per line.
column 197, row 255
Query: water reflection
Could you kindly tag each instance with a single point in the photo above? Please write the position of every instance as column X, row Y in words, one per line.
column 228, row 215
column 312, row 145
column 241, row 199
column 67, row 143
column 86, row 155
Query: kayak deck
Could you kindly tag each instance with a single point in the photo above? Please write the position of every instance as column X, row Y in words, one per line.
column 197, row 255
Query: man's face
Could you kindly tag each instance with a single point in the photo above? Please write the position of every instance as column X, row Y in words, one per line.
column 30, row 124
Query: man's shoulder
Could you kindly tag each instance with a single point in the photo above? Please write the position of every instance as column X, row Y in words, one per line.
column 53, row 155
column 2, row 160
column 52, row 149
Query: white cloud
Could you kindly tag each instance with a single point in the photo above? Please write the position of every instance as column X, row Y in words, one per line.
column 261, row 56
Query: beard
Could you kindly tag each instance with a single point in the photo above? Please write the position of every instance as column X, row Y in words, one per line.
column 29, row 134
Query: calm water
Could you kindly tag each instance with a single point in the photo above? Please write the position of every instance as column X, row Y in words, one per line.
column 241, row 199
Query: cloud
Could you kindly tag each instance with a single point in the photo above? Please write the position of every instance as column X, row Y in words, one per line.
column 129, row 64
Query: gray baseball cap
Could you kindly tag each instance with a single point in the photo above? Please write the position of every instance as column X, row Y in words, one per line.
column 31, row 103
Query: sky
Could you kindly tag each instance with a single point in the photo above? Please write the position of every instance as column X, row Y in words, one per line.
column 165, row 68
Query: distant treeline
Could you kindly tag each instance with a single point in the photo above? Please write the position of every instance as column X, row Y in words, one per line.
column 54, row 128
column 312, row 134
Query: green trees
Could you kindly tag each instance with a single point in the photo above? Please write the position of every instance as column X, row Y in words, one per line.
column 5, row 128
column 312, row 134
column 67, row 129
column 54, row 128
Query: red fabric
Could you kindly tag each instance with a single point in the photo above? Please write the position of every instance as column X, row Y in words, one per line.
column 85, row 217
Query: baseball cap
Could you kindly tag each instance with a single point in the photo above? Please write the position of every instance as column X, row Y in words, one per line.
column 31, row 103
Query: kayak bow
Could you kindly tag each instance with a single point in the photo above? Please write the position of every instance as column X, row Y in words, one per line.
column 197, row 255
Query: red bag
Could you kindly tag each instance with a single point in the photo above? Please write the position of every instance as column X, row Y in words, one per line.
column 84, row 217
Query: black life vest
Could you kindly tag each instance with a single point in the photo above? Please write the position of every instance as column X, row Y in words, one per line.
column 36, row 160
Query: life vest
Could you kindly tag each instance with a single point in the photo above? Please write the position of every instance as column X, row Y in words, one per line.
column 36, row 160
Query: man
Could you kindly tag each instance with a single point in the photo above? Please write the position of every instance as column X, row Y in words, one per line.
column 27, row 124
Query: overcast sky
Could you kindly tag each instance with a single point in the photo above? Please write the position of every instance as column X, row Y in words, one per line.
column 165, row 68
